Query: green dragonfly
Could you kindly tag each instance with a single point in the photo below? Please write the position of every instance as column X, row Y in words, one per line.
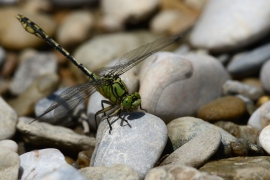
column 105, row 80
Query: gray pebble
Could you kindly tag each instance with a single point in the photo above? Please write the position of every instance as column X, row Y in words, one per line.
column 30, row 69
column 260, row 118
column 39, row 133
column 8, row 120
column 9, row 163
column 265, row 76
column 196, row 151
column 147, row 132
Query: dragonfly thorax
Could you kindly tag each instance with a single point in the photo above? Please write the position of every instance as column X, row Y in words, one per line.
column 132, row 102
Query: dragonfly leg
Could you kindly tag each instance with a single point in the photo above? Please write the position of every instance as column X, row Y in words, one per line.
column 105, row 102
column 103, row 111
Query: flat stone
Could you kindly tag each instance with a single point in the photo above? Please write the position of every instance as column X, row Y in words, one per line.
column 196, row 151
column 264, row 76
column 169, row 83
column 115, row 172
column 8, row 120
column 9, row 163
column 260, row 118
column 147, row 132
column 224, row 108
column 39, row 133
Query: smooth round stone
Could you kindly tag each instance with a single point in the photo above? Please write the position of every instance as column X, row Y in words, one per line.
column 147, row 132
column 250, row 106
column 30, row 69
column 170, row 172
column 249, row 63
column 240, row 167
column 262, row 100
column 9, row 163
column 131, row 80
column 264, row 76
column 38, row 133
column 196, row 151
column 260, row 118
column 40, row 88
column 170, row 83
column 231, row 87
column 8, row 120
column 182, row 130
column 13, row 35
column 215, row 30
column 264, row 139
column 117, row 172
column 9, row 144
column 224, row 108
column 75, row 28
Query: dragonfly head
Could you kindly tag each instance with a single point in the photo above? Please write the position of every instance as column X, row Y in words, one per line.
column 132, row 102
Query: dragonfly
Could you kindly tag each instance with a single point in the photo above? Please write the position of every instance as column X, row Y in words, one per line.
column 106, row 80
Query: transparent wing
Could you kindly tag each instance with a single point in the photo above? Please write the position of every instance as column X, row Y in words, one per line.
column 132, row 58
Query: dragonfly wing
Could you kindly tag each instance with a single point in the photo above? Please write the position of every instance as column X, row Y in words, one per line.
column 132, row 58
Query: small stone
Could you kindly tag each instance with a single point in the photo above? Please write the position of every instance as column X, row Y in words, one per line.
column 10, row 64
column 115, row 172
column 41, row 87
column 9, row 144
column 8, row 120
column 75, row 28
column 215, row 30
column 38, row 133
column 262, row 100
column 196, row 151
column 265, row 76
column 264, row 139
column 240, row 168
column 30, row 69
column 9, row 163
column 250, row 107
column 125, row 150
column 231, row 87
column 84, row 157
column 169, row 83
column 225, row 108
column 260, row 118
column 177, row 172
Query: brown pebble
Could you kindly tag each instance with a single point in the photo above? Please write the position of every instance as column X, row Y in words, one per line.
column 262, row 100
column 9, row 65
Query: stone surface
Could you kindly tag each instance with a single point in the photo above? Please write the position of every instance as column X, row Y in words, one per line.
column 170, row 83
column 262, row 100
column 38, row 133
column 240, row 168
column 75, row 28
column 147, row 132
column 265, row 76
column 176, row 172
column 9, row 163
column 250, row 106
column 196, row 151
column 8, row 120
column 226, row 25
column 115, row 172
column 30, row 69
column 231, row 87
column 224, row 108
column 264, row 139
column 13, row 36
column 41, row 87
column 260, row 118
column 2, row 56
column 9, row 144
column 182, row 130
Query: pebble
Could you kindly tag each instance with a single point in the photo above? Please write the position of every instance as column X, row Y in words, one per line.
column 115, row 172
column 41, row 87
column 250, row 106
column 84, row 157
column 5, row 83
column 75, row 28
column 182, row 130
column 9, row 163
column 147, row 132
column 225, row 25
column 262, row 100
column 232, row 87
column 265, row 76
column 9, row 144
column 249, row 63
column 14, row 37
column 46, row 164
column 178, row 172
column 245, row 132
column 30, row 69
column 260, row 118
column 39, row 133
column 240, row 167
column 197, row 151
column 10, row 64
column 224, row 108
column 264, row 139
column 8, row 120
column 169, row 82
